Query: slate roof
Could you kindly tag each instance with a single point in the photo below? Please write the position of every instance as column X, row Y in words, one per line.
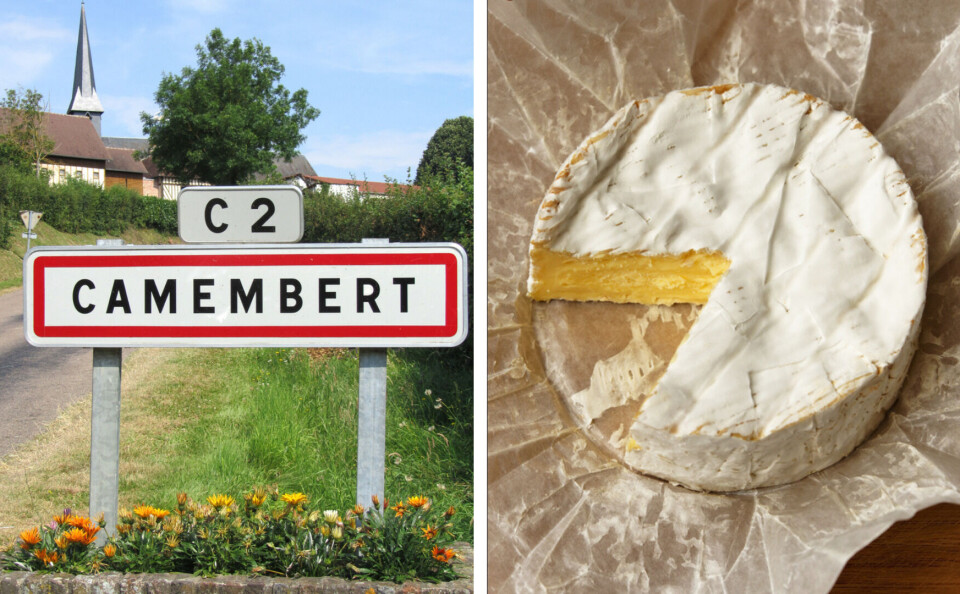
column 84, row 86
column 122, row 160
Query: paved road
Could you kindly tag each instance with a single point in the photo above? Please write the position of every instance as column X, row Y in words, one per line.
column 35, row 383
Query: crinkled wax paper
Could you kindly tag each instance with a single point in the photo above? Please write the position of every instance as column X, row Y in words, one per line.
column 564, row 513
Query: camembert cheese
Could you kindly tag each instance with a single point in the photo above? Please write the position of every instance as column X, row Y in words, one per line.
column 798, row 234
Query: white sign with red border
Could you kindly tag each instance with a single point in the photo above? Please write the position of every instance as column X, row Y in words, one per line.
column 350, row 295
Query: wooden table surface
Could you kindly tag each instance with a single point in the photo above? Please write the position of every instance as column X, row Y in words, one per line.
column 921, row 554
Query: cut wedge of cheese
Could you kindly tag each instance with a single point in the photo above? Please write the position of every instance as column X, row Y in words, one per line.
column 798, row 234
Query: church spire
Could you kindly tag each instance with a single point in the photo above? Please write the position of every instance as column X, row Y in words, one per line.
column 85, row 100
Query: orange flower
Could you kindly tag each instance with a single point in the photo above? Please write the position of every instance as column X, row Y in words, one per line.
column 29, row 538
column 79, row 535
column 400, row 509
column 77, row 521
column 358, row 509
column 110, row 550
column 375, row 500
column 45, row 557
column 450, row 512
column 61, row 541
column 429, row 532
column 417, row 501
column 145, row 511
column 442, row 555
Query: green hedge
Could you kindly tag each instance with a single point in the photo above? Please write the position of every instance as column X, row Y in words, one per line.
column 78, row 207
column 438, row 210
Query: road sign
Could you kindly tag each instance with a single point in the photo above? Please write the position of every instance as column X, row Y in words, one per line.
column 240, row 214
column 362, row 295
column 28, row 235
column 30, row 218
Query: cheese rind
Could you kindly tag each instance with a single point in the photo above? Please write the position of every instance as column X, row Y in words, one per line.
column 804, row 341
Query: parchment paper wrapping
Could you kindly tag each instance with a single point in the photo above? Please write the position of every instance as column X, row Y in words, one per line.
column 565, row 514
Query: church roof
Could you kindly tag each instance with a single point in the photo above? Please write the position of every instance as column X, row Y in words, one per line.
column 84, row 94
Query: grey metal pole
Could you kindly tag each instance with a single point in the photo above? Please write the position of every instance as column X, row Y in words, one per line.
column 372, row 420
column 105, row 437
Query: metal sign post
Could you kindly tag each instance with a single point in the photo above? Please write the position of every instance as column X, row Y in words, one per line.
column 105, row 432
column 105, row 438
column 372, row 420
column 30, row 218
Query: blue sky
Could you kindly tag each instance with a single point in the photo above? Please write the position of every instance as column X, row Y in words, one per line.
column 385, row 75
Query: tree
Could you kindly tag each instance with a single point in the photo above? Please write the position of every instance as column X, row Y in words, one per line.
column 229, row 117
column 24, row 135
column 450, row 145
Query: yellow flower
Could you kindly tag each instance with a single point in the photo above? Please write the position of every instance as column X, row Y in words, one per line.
column 325, row 530
column 417, row 501
column 110, row 550
column 61, row 541
column 30, row 537
column 331, row 516
column 336, row 533
column 218, row 501
column 257, row 498
column 429, row 532
column 294, row 498
column 173, row 541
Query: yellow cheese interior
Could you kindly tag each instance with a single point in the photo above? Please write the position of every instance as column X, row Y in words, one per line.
column 627, row 278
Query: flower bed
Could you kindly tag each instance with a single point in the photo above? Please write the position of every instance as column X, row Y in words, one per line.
column 269, row 535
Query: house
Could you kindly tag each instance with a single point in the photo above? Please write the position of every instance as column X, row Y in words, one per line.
column 78, row 151
column 346, row 188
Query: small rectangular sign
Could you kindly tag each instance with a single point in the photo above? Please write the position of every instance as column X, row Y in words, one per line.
column 240, row 214
column 28, row 235
column 363, row 295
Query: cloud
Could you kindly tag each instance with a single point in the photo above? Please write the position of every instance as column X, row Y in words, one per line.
column 372, row 154
column 28, row 47
column 121, row 115
column 19, row 29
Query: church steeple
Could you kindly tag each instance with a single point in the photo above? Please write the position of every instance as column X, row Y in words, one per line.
column 85, row 100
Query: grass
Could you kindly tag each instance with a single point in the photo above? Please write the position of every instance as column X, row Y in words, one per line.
column 207, row 421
